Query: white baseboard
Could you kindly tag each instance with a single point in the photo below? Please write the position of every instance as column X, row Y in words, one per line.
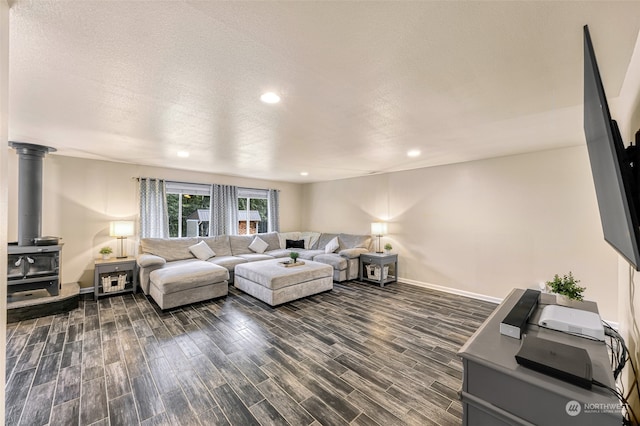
column 470, row 294
column 84, row 290
column 459, row 292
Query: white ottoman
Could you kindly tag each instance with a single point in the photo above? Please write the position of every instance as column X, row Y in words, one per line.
column 176, row 285
column 273, row 283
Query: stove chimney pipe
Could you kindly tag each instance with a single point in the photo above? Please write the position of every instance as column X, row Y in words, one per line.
column 29, row 190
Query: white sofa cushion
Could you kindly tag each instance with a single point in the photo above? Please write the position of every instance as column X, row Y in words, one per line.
column 278, row 253
column 253, row 257
column 310, row 238
column 355, row 241
column 258, row 245
column 353, row 253
column 183, row 276
column 335, row 260
column 146, row 260
column 308, row 254
column 332, row 246
column 219, row 244
column 228, row 262
column 169, row 248
column 202, row 251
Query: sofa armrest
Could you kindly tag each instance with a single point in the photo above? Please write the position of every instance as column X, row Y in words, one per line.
column 353, row 253
column 146, row 260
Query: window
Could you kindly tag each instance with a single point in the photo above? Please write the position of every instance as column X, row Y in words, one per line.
column 253, row 211
column 188, row 208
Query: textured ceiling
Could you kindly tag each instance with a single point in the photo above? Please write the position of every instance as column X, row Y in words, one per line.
column 361, row 82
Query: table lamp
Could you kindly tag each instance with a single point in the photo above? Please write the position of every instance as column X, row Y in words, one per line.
column 378, row 229
column 121, row 229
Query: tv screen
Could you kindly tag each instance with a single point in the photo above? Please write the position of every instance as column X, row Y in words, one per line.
column 610, row 165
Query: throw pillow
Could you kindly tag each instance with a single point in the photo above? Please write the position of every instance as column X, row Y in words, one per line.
column 332, row 246
column 295, row 244
column 258, row 245
column 202, row 251
column 307, row 242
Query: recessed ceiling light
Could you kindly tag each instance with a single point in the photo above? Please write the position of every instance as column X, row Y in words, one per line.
column 270, row 98
column 413, row 153
column 304, row 173
column 183, row 154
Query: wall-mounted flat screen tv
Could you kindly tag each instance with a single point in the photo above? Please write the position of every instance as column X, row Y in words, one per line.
column 611, row 164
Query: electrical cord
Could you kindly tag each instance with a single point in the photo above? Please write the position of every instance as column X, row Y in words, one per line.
column 619, row 358
column 629, row 417
column 619, row 352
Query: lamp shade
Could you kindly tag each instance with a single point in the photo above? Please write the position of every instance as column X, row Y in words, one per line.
column 121, row 228
column 378, row 228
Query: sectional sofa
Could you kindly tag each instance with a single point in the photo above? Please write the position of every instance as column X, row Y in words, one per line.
column 178, row 271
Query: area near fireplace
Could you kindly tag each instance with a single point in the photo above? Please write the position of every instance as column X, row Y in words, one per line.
column 33, row 262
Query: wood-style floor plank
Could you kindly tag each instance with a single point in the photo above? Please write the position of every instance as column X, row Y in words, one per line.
column 357, row 355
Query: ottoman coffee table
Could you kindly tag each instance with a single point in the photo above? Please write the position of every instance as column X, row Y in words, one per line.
column 274, row 283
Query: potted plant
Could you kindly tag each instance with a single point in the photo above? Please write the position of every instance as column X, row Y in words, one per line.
column 106, row 252
column 388, row 247
column 566, row 286
column 294, row 256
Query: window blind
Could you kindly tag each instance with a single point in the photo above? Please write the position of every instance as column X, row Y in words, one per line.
column 253, row 193
column 188, row 188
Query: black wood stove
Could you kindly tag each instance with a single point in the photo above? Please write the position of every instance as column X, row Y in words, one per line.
column 33, row 262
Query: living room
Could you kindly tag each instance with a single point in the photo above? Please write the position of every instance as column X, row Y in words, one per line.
column 465, row 236
column 477, row 227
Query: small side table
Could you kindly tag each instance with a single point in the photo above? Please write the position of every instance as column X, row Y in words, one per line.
column 386, row 265
column 115, row 276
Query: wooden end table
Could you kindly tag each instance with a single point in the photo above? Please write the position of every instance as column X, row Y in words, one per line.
column 375, row 264
column 115, row 276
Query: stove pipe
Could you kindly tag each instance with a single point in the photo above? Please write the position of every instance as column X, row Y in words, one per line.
column 29, row 190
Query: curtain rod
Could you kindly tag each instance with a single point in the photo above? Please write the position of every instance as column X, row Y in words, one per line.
column 196, row 183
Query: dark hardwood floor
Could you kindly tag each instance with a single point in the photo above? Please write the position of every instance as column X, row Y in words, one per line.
column 359, row 355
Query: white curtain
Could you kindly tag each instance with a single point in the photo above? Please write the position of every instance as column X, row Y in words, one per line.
column 274, row 210
column 154, row 215
column 224, row 210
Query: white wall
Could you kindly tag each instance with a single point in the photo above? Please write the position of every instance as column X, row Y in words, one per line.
column 484, row 226
column 4, row 99
column 627, row 110
column 81, row 197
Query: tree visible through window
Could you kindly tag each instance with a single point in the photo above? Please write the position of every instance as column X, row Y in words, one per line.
column 188, row 208
column 189, row 212
column 253, row 211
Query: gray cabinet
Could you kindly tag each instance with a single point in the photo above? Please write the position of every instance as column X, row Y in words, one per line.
column 115, row 276
column 498, row 391
column 380, row 268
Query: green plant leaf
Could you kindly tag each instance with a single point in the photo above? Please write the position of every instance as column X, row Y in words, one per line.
column 567, row 285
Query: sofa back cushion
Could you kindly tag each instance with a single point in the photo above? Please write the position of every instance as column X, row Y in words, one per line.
column 170, row 249
column 219, row 244
column 284, row 236
column 240, row 244
column 324, row 240
column 272, row 239
column 350, row 241
column 310, row 238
